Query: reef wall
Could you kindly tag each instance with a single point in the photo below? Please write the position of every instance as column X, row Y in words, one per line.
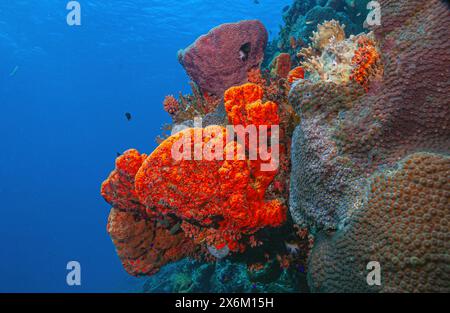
column 370, row 170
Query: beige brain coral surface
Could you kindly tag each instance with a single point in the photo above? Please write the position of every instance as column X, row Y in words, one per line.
column 404, row 225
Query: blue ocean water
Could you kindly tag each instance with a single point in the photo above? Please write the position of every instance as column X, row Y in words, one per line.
column 64, row 92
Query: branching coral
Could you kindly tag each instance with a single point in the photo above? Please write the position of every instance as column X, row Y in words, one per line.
column 171, row 105
column 327, row 32
column 192, row 105
column 221, row 59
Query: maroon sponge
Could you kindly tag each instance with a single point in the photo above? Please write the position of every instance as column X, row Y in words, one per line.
column 221, row 59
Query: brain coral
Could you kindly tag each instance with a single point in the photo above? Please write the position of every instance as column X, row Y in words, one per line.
column 142, row 245
column 404, row 224
column 244, row 106
column 221, row 59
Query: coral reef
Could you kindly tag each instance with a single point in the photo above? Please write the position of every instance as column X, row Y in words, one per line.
column 221, row 59
column 360, row 133
column 319, row 173
column 332, row 58
column 171, row 105
column 189, row 106
column 281, row 65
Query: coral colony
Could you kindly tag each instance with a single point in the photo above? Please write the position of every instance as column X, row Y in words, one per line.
column 320, row 153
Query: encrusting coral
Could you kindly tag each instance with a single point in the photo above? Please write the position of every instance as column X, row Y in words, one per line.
column 365, row 62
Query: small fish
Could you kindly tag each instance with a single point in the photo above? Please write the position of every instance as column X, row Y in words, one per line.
column 14, row 71
column 244, row 51
column 128, row 116
column 309, row 22
column 175, row 228
column 118, row 154
column 256, row 1
column 286, row 8
column 359, row 14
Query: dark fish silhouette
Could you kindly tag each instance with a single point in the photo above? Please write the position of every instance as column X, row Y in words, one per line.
column 244, row 51
column 118, row 154
column 286, row 8
column 128, row 116
column 256, row 1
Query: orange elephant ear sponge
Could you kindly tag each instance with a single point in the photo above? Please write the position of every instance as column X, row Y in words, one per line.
column 118, row 189
column 218, row 199
column 244, row 106
column 143, row 246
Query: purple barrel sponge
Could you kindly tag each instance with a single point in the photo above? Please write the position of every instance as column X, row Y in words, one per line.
column 221, row 59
